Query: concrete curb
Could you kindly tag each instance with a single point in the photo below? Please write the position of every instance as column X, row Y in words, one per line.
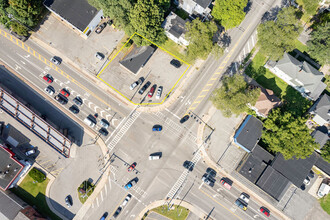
column 196, row 210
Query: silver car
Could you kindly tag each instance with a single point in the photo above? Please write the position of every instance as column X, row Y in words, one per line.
column 55, row 61
column 159, row 92
column 104, row 123
column 50, row 90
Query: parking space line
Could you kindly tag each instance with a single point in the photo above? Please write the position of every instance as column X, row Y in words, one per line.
column 92, row 205
column 109, row 181
column 106, row 190
column 97, row 201
column 102, row 195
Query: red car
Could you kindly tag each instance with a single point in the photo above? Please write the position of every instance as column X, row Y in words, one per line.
column 131, row 167
column 65, row 92
column 226, row 183
column 265, row 211
column 152, row 91
column 48, row 78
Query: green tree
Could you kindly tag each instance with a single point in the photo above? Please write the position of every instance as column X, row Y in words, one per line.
column 233, row 96
column 146, row 18
column 3, row 16
column 325, row 152
column 288, row 135
column 19, row 29
column 276, row 37
column 229, row 13
column 28, row 12
column 200, row 35
column 319, row 44
column 310, row 6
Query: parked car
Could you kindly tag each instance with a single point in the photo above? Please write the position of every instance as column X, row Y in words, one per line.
column 227, row 183
column 99, row 55
column 265, row 211
column 157, row 128
column 126, row 200
column 68, row 201
column 48, row 78
column 211, row 172
column 104, row 216
column 188, row 165
column 100, row 28
column 184, row 119
column 103, row 131
column 65, row 92
column 30, row 152
column 206, row 178
column 159, row 92
column 241, row 204
column 131, row 167
column 74, row 109
column 155, row 156
column 78, row 101
column 134, row 85
column 307, row 181
column 152, row 91
column 323, row 190
column 90, row 122
column 50, row 90
column 55, row 60
column 117, row 212
column 104, row 123
column 131, row 183
column 175, row 63
column 245, row 197
column 61, row 99
column 141, row 91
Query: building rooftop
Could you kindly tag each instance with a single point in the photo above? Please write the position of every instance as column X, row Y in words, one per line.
column 9, row 168
column 294, row 170
column 77, row 12
column 322, row 108
column 137, row 58
column 322, row 164
column 321, row 135
column 10, row 205
column 203, row 3
column 273, row 183
column 175, row 25
column 249, row 133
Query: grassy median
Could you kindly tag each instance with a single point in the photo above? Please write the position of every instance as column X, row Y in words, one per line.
column 176, row 212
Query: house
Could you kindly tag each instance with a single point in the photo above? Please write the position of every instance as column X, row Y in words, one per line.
column 175, row 29
column 321, row 135
column 198, row 7
column 301, row 75
column 135, row 60
column 249, row 133
column 78, row 14
column 321, row 111
column 267, row 100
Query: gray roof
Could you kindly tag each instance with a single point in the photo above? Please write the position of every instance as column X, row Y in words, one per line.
column 294, row 170
column 8, row 174
column 273, row 183
column 249, row 133
column 308, row 77
column 321, row 135
column 77, row 12
column 203, row 3
column 322, row 108
column 137, row 58
column 10, row 205
column 322, row 165
column 176, row 25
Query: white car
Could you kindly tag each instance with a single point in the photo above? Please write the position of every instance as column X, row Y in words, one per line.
column 105, row 123
column 133, row 85
column 154, row 157
column 128, row 197
column 50, row 90
column 30, row 152
column 245, row 197
column 89, row 122
column 55, row 61
column 159, row 92
column 99, row 56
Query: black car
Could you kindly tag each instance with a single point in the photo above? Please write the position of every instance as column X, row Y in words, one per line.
column 208, row 180
column 211, row 172
column 141, row 91
column 61, row 99
column 103, row 131
column 184, row 119
column 100, row 28
column 175, row 63
column 68, row 201
column 74, row 109
column 188, row 165
column 78, row 101
column 117, row 212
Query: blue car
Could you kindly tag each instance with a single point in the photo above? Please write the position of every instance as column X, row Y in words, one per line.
column 157, row 128
column 130, row 184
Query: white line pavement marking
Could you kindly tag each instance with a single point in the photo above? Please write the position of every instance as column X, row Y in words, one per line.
column 106, row 190
column 252, row 41
column 102, row 195
column 92, row 205
column 201, row 185
column 244, row 51
column 97, row 201
column 109, row 181
column 172, row 113
column 248, row 46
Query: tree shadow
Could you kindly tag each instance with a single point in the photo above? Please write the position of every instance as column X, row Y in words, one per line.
column 224, row 40
column 248, row 7
column 269, row 83
column 271, row 14
column 295, row 103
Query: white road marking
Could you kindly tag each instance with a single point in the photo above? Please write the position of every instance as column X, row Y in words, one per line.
column 95, row 108
column 201, row 185
column 106, row 190
column 101, row 113
column 97, row 201
column 17, row 67
column 252, row 41
column 109, row 181
column 22, row 62
column 27, row 56
column 248, row 46
column 244, row 51
column 188, row 102
column 90, row 103
column 92, row 205
column 101, row 195
column 172, row 113
column 236, row 68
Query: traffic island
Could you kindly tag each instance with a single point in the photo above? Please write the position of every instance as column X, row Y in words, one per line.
column 85, row 190
column 175, row 212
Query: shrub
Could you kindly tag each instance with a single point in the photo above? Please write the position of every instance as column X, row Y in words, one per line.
column 37, row 175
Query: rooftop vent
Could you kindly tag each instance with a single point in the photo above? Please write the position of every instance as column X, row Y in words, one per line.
column 9, row 165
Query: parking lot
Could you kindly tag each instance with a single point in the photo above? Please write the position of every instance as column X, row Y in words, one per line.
column 75, row 48
column 157, row 70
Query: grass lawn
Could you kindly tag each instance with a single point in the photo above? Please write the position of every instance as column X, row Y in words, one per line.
column 180, row 213
column 34, row 194
column 325, row 203
column 300, row 46
column 176, row 50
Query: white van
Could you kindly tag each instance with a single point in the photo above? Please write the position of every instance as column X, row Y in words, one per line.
column 154, row 157
column 323, row 190
column 89, row 122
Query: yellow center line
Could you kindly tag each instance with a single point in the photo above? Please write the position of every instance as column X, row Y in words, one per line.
column 219, row 203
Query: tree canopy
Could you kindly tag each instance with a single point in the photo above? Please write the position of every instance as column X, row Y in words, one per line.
column 319, row 44
column 28, row 12
column 233, row 96
column 276, row 37
column 229, row 13
column 288, row 135
column 200, row 35
column 325, row 152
